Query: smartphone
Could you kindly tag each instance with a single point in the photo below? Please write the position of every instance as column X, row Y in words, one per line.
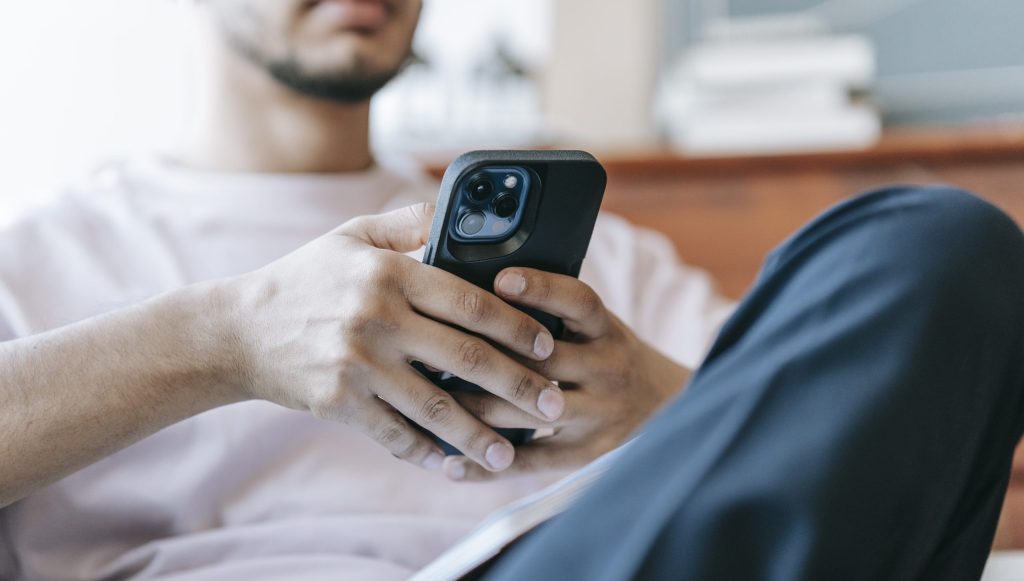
column 498, row 209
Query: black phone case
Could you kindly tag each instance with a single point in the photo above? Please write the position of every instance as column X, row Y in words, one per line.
column 558, row 221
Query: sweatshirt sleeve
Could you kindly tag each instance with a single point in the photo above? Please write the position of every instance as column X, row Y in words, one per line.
column 673, row 306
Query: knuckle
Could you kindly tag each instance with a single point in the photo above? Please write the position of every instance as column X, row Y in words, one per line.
column 389, row 434
column 383, row 272
column 394, row 435
column 473, row 305
column 471, row 353
column 479, row 407
column 588, row 301
column 421, row 211
column 476, row 440
column 438, row 409
column 541, row 286
column 522, row 387
column 360, row 322
column 329, row 404
column 484, row 407
column 525, row 332
column 353, row 225
column 351, row 368
column 374, row 318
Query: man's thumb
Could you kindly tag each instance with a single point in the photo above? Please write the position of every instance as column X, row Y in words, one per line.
column 402, row 230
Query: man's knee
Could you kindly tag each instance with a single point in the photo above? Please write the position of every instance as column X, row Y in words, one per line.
column 936, row 246
column 962, row 222
column 945, row 229
column 952, row 247
column 950, row 231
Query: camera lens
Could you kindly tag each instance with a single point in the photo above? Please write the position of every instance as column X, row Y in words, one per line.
column 480, row 188
column 505, row 205
column 472, row 223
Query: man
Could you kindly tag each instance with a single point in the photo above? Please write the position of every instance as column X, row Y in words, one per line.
column 854, row 419
column 278, row 156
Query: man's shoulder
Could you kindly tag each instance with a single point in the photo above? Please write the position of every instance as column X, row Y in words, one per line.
column 54, row 251
column 81, row 209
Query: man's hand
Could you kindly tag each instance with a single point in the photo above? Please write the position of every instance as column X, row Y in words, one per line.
column 613, row 381
column 333, row 326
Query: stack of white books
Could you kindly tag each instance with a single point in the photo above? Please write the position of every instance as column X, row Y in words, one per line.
column 769, row 94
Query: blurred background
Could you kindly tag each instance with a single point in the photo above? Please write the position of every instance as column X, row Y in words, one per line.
column 84, row 81
column 725, row 124
column 744, row 117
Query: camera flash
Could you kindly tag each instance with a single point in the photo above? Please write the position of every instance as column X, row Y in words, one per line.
column 511, row 181
column 499, row 227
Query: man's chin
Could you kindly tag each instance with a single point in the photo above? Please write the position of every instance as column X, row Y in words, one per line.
column 352, row 85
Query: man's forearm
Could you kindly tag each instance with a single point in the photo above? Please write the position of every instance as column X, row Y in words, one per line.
column 328, row 328
column 71, row 396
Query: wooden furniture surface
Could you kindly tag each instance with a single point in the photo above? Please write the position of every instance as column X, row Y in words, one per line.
column 726, row 214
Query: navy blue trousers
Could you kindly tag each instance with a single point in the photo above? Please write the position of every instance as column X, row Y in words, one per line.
column 855, row 418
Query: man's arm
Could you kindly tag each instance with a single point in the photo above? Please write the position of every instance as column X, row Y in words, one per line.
column 329, row 328
column 74, row 395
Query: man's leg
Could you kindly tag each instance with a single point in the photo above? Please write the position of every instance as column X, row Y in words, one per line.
column 854, row 420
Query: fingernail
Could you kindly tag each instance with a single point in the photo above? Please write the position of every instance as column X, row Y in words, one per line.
column 551, row 403
column 455, row 470
column 511, row 283
column 433, row 461
column 543, row 345
column 499, row 455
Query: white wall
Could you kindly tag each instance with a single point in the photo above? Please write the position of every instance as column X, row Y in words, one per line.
column 81, row 80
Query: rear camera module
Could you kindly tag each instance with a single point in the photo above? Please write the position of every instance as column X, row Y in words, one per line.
column 506, row 205
column 488, row 207
column 472, row 223
column 480, row 188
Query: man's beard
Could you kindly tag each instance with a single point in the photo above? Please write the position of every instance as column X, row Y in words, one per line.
column 342, row 86
column 355, row 83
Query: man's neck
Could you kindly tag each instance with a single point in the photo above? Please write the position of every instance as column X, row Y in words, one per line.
column 244, row 121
